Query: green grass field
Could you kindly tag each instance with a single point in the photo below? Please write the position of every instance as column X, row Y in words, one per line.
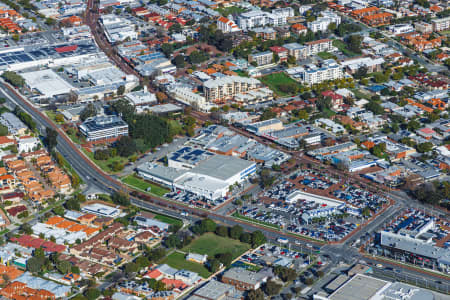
column 177, row 260
column 105, row 165
column 273, row 81
column 343, row 48
column 326, row 55
column 143, row 185
column 212, row 244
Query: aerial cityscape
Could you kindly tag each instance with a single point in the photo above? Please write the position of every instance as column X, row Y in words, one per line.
column 225, row 150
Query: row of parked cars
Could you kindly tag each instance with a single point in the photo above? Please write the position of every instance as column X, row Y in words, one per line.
column 361, row 198
column 193, row 200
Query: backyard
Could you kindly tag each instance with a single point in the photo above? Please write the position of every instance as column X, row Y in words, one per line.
column 281, row 84
column 178, row 261
column 212, row 244
column 226, row 11
column 326, row 55
column 143, row 185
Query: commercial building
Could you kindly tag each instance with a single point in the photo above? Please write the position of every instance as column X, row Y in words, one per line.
column 101, row 210
column 29, row 56
column 261, row 58
column 14, row 125
column 118, row 29
column 187, row 96
column 227, row 87
column 200, row 172
column 141, row 98
column 265, row 126
column 417, row 249
column 400, row 28
column 441, row 24
column 47, row 83
column 103, row 128
column 242, row 279
column 216, row 290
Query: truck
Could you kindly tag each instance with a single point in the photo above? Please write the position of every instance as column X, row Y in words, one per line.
column 282, row 240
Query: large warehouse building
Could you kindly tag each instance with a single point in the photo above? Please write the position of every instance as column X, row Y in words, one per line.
column 198, row 171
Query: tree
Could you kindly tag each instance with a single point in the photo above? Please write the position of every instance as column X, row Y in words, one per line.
column 413, row 125
column 34, row 264
column 179, row 61
column 172, row 241
column 73, row 204
column 161, row 97
column 255, row 295
column 131, row 268
column 225, row 258
column 354, row 43
column 175, row 28
column 267, row 114
column 3, row 130
column 64, row 266
column 222, row 231
column 59, row 118
column 120, row 198
column 236, row 232
column 424, row 147
column 380, row 77
column 51, row 138
column 285, row 274
column 197, row 57
column 13, row 78
column 88, row 111
column 246, row 238
column 272, row 288
column 59, row 210
column 125, row 146
column 92, row 294
column 375, row 107
column 121, row 90
column 213, row 265
column 258, row 238
column 26, row 228
column 142, row 262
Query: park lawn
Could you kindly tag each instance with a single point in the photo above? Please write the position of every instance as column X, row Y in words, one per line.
column 105, row 165
column 75, row 138
column 226, row 11
column 212, row 244
column 326, row 55
column 343, row 48
column 178, row 261
column 273, row 81
column 52, row 116
column 143, row 185
column 360, row 94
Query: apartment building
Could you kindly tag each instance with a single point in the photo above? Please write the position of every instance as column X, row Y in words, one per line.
column 296, row 50
column 423, row 27
column 261, row 58
column 329, row 70
column 441, row 24
column 227, row 87
column 380, row 19
column 315, row 47
column 258, row 18
column 364, row 12
column 281, row 52
column 227, row 25
column 104, row 128
column 322, row 23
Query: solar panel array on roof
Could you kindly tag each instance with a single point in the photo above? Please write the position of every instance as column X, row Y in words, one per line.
column 31, row 53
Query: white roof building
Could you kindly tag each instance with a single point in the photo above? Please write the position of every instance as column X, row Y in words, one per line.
column 47, row 83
